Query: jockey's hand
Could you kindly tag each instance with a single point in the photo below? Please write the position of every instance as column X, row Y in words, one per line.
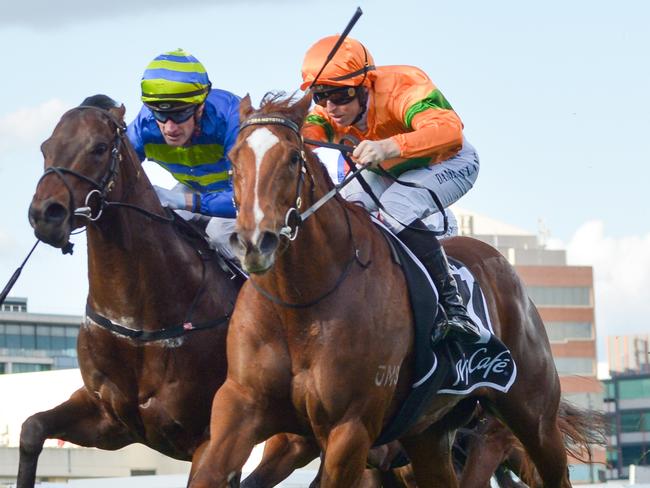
column 371, row 153
column 171, row 199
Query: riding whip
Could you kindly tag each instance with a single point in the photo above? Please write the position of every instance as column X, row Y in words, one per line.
column 16, row 274
column 336, row 47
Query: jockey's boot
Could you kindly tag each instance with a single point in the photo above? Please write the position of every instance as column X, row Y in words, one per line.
column 428, row 250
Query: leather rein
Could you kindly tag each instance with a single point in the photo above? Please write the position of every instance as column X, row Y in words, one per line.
column 100, row 190
column 294, row 219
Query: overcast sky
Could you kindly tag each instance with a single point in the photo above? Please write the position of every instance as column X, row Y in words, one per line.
column 553, row 94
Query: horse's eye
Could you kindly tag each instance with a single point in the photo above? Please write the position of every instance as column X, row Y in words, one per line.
column 295, row 159
column 99, row 149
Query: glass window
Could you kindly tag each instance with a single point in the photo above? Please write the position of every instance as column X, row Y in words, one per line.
column 634, row 388
column 638, row 455
column 574, row 365
column 560, row 296
column 635, row 422
column 71, row 334
column 3, row 368
column 29, row 367
column 3, row 339
column 13, row 336
column 27, row 337
column 43, row 337
column 58, row 338
column 564, row 331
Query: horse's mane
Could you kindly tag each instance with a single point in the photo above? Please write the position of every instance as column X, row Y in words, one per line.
column 279, row 103
column 100, row 101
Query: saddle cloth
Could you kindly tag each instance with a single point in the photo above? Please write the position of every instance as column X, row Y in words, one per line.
column 449, row 367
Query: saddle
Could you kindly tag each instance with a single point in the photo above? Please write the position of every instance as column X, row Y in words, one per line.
column 449, row 367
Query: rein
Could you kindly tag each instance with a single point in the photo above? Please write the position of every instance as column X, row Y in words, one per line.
column 102, row 189
column 294, row 219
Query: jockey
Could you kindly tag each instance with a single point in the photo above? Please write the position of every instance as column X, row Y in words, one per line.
column 406, row 126
column 187, row 127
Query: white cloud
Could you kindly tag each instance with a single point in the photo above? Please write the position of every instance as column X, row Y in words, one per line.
column 621, row 277
column 30, row 125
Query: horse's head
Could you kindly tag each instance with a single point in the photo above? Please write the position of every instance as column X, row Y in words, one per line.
column 81, row 163
column 268, row 173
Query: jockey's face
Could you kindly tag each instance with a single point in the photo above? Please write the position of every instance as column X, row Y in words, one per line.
column 344, row 114
column 179, row 134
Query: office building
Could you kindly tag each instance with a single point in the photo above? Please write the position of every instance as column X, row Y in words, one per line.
column 36, row 342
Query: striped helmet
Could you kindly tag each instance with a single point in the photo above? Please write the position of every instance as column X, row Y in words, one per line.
column 174, row 80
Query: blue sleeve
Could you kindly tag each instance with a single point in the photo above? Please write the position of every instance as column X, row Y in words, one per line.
column 218, row 204
column 134, row 133
column 232, row 125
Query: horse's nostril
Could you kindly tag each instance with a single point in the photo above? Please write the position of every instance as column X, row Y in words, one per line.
column 55, row 213
column 268, row 243
column 236, row 242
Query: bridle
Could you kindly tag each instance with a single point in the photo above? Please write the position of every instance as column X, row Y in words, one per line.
column 100, row 189
column 294, row 219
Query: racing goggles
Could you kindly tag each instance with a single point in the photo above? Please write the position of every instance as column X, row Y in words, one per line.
column 338, row 96
column 176, row 116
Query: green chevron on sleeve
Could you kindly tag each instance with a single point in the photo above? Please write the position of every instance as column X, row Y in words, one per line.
column 327, row 127
column 435, row 100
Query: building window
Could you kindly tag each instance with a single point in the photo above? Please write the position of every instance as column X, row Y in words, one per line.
column 12, row 336
column 634, row 388
column 574, row 365
column 638, row 455
column 27, row 337
column 143, row 472
column 29, row 367
column 566, row 331
column 3, row 368
column 635, row 422
column 565, row 296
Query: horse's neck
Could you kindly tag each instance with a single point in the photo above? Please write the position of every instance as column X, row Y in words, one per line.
column 135, row 262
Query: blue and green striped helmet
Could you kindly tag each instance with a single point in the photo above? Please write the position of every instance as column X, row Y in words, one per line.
column 175, row 79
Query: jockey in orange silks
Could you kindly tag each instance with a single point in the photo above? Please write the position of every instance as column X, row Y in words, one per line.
column 406, row 126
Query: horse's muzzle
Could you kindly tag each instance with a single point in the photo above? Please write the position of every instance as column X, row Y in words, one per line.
column 256, row 257
column 50, row 221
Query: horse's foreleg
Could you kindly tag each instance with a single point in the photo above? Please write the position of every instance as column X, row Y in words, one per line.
column 345, row 455
column 430, row 455
column 233, row 434
column 77, row 420
column 283, row 454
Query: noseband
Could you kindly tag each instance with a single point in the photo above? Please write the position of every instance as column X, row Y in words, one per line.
column 100, row 188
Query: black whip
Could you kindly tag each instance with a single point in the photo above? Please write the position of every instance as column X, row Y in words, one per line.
column 16, row 274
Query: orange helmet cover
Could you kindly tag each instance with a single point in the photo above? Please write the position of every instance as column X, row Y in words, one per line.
column 348, row 67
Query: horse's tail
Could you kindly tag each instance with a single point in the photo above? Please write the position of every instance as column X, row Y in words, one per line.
column 582, row 429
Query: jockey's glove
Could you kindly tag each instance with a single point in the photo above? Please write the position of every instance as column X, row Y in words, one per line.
column 371, row 153
column 170, row 199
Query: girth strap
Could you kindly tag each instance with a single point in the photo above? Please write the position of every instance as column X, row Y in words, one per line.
column 154, row 335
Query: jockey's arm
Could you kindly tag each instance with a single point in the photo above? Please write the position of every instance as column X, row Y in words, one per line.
column 216, row 204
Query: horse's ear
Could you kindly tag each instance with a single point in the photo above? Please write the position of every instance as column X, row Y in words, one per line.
column 245, row 108
column 118, row 112
column 301, row 108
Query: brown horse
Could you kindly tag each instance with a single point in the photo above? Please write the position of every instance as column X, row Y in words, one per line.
column 326, row 308
column 151, row 376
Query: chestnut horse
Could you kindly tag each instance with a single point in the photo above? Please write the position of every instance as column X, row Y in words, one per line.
column 326, row 308
column 151, row 376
